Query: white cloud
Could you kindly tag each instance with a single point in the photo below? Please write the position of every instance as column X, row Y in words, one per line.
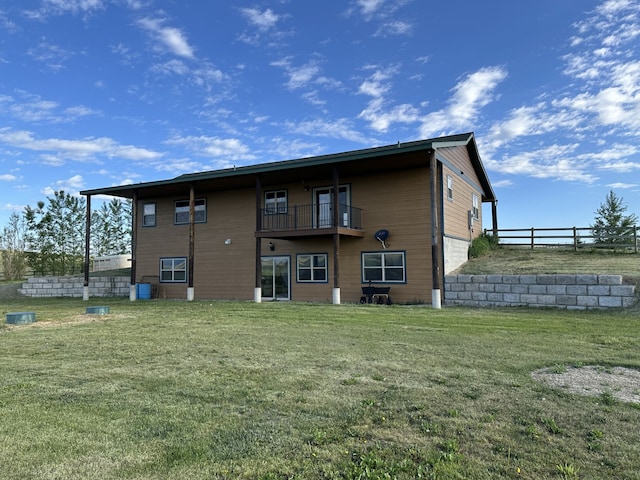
column 299, row 76
column 263, row 20
column 73, row 183
column 61, row 7
column 621, row 185
column 172, row 38
column 377, row 112
column 338, row 129
column 554, row 161
column 7, row 177
column 222, row 149
column 471, row 94
column 88, row 149
column 395, row 27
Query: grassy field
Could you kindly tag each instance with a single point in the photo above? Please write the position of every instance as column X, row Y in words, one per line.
column 214, row 390
column 521, row 260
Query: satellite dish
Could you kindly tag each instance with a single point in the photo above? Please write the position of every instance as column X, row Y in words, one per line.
column 381, row 236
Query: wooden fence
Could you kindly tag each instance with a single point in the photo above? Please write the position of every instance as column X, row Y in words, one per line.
column 570, row 237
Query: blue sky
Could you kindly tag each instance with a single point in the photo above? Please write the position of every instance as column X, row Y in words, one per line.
column 95, row 93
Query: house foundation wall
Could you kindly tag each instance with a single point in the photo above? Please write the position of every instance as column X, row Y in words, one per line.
column 573, row 292
column 456, row 253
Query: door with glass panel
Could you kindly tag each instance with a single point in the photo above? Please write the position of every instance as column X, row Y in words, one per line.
column 275, row 278
column 323, row 207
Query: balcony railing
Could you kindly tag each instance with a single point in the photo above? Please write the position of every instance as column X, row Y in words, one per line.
column 309, row 217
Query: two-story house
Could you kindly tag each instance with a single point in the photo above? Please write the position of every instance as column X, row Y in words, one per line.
column 314, row 229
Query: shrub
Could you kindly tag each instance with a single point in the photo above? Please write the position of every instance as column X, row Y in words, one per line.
column 479, row 246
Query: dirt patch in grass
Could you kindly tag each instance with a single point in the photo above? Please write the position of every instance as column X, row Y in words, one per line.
column 607, row 382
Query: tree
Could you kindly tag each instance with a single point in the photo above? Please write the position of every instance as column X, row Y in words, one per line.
column 111, row 228
column 12, row 246
column 611, row 223
column 55, row 235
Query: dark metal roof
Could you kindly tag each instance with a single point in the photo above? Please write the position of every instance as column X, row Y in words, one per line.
column 406, row 155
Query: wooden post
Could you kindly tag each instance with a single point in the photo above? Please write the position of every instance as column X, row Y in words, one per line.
column 336, row 236
column 532, row 238
column 192, row 236
column 436, row 301
column 257, row 291
column 635, row 239
column 87, row 246
column 494, row 216
column 134, row 244
column 575, row 239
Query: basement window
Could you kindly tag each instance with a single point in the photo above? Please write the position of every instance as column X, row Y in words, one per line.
column 384, row 267
column 173, row 270
column 312, row 268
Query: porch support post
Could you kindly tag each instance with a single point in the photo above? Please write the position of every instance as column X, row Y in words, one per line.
column 257, row 291
column 336, row 237
column 192, row 236
column 494, row 216
column 133, row 294
column 87, row 246
column 436, row 301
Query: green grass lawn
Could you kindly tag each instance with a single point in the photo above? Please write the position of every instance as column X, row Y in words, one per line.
column 213, row 390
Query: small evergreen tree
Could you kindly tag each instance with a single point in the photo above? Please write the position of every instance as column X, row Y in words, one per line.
column 611, row 223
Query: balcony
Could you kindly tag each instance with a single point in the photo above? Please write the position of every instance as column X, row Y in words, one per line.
column 309, row 220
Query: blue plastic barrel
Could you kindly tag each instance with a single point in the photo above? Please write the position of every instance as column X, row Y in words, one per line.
column 143, row 291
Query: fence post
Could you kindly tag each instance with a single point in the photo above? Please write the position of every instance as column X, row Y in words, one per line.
column 532, row 238
column 575, row 239
column 635, row 239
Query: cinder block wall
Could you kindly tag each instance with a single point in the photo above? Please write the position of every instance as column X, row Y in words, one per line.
column 578, row 292
column 41, row 287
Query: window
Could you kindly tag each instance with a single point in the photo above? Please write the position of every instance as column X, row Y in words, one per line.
column 449, row 187
column 149, row 215
column 383, row 267
column 312, row 268
column 173, row 269
column 182, row 211
column 275, row 202
column 474, row 208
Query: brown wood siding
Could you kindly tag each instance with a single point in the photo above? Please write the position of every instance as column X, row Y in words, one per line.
column 396, row 201
column 465, row 184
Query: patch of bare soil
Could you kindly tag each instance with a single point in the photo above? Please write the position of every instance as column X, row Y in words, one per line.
column 621, row 383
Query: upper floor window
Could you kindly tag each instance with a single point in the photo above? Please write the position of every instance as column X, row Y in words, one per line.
column 383, row 267
column 312, row 268
column 475, row 206
column 149, row 215
column 449, row 187
column 275, row 202
column 182, row 211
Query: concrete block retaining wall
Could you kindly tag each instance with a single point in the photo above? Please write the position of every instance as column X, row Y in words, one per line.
column 42, row 287
column 578, row 292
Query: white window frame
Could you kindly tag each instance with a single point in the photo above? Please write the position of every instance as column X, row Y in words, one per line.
column 173, row 270
column 313, row 268
column 149, row 214
column 275, row 202
column 369, row 264
column 182, row 207
column 449, row 187
column 475, row 206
